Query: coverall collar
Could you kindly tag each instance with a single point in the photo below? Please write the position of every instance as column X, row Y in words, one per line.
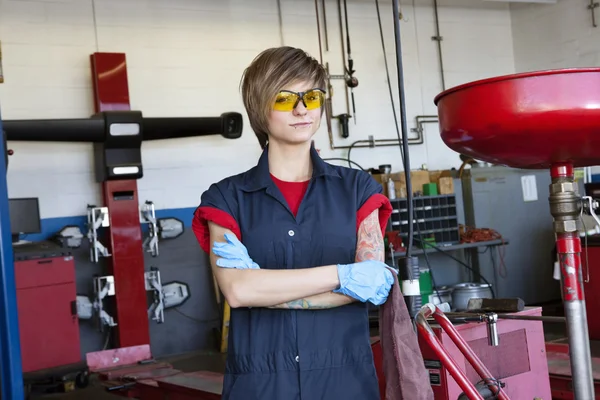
column 259, row 177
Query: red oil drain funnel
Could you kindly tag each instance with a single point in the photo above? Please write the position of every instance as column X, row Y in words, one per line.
column 539, row 120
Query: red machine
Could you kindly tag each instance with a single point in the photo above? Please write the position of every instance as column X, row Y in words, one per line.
column 46, row 298
column 502, row 357
column 48, row 322
column 546, row 120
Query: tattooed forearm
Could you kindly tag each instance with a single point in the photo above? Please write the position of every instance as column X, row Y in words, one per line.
column 369, row 247
column 370, row 244
column 302, row 304
column 317, row 302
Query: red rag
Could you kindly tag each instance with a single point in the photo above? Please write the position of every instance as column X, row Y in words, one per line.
column 405, row 375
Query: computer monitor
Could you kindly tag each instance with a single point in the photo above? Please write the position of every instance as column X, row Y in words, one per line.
column 24, row 216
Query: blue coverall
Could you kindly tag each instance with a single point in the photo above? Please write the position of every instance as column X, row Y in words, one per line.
column 278, row 354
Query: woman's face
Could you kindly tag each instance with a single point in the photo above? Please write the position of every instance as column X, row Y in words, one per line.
column 296, row 126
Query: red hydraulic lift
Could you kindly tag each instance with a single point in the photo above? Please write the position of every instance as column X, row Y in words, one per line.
column 126, row 263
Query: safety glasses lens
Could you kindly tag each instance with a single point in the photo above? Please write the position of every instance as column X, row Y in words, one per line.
column 285, row 101
column 313, row 99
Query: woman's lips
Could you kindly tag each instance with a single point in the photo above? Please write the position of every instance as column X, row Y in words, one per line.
column 301, row 124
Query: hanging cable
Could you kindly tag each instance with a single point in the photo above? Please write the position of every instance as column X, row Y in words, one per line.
column 403, row 139
column 387, row 73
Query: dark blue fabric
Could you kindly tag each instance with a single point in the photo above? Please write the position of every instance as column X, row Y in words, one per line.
column 278, row 354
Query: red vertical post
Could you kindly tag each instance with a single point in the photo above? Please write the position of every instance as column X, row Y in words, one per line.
column 566, row 207
column 126, row 263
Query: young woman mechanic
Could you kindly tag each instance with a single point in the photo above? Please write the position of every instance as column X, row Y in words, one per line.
column 296, row 246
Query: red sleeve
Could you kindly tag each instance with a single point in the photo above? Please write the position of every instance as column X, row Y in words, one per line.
column 204, row 214
column 376, row 201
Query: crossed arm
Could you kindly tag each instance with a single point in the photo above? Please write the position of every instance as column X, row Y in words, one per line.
column 310, row 288
column 369, row 246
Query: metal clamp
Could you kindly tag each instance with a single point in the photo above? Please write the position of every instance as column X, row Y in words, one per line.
column 97, row 217
column 491, row 320
column 589, row 206
column 154, row 284
column 148, row 216
column 104, row 286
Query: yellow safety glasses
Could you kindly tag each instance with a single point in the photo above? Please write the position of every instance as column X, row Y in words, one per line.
column 287, row 100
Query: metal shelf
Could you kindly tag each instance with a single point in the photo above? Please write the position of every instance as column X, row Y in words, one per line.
column 461, row 246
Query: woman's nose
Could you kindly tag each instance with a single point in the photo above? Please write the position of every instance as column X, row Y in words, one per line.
column 300, row 108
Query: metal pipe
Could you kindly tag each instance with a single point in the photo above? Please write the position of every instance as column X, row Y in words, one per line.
column 319, row 30
column 479, row 317
column 449, row 363
column 533, row 318
column 438, row 38
column 325, row 33
column 421, row 120
column 11, row 370
column 339, row 6
column 280, row 18
column 404, row 139
column 565, row 207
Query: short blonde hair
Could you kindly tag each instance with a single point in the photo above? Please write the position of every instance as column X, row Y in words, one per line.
column 268, row 73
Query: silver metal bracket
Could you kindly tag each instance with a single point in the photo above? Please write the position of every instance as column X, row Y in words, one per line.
column 97, row 217
column 592, row 6
column 104, row 286
column 491, row 320
column 589, row 206
column 156, row 312
column 148, row 216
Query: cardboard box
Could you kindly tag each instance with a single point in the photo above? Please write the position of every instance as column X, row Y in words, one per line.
column 418, row 179
column 446, row 185
column 443, row 180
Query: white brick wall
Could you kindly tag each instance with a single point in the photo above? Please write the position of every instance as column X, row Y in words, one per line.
column 549, row 36
column 185, row 58
column 555, row 36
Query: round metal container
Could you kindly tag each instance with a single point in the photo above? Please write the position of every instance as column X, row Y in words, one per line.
column 462, row 292
column 527, row 120
column 443, row 293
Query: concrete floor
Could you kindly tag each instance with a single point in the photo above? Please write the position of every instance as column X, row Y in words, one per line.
column 207, row 361
column 214, row 361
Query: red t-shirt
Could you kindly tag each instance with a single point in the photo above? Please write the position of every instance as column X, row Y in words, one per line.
column 293, row 192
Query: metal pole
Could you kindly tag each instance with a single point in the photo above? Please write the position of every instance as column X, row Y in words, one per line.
column 565, row 207
column 10, row 343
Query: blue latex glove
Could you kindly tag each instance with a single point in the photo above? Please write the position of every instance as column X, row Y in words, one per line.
column 233, row 254
column 366, row 281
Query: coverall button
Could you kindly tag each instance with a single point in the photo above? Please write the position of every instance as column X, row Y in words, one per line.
column 291, row 232
column 297, row 358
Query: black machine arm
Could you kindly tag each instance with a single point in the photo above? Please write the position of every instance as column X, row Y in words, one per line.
column 229, row 125
column 94, row 129
column 54, row 130
column 118, row 136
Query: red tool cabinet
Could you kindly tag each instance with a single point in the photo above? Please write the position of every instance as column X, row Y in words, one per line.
column 591, row 285
column 46, row 300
